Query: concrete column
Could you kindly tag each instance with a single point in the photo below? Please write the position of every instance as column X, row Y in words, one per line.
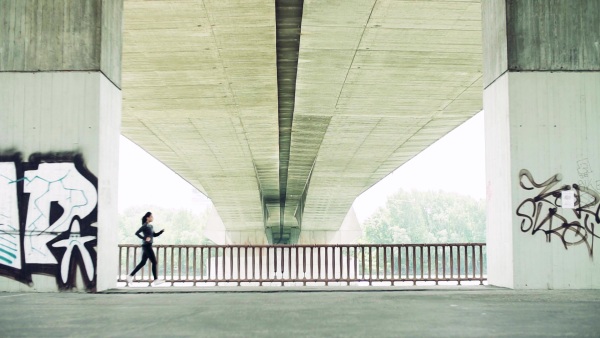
column 215, row 231
column 542, row 122
column 348, row 233
column 60, row 112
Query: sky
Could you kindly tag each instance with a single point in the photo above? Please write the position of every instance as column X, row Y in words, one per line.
column 455, row 163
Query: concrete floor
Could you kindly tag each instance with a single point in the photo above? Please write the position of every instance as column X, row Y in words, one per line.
column 303, row 312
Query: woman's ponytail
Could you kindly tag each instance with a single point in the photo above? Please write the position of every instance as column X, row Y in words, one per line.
column 146, row 217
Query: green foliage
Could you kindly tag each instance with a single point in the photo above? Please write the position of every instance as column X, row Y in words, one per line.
column 427, row 217
column 181, row 226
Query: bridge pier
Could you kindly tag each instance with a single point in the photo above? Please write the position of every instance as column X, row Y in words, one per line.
column 60, row 112
column 541, row 102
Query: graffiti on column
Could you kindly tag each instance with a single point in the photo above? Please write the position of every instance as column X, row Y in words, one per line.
column 543, row 212
column 584, row 171
column 48, row 215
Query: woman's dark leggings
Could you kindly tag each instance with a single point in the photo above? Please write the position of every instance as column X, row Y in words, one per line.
column 147, row 252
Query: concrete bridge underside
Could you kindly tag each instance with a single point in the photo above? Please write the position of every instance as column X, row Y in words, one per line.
column 283, row 112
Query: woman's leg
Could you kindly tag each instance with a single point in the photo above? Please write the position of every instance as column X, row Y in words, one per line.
column 152, row 258
column 142, row 262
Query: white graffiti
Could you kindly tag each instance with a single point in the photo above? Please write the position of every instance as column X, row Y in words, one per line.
column 10, row 245
column 75, row 240
column 47, row 212
column 53, row 182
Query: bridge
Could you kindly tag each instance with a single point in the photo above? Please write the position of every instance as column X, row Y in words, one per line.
column 284, row 112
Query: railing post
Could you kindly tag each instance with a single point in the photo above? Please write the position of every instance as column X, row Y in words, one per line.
column 282, row 265
column 444, row 262
column 267, row 263
column 253, row 263
column 341, row 263
column 392, row 272
column 172, row 263
column 209, row 259
column 319, row 262
column 370, row 267
column 400, row 263
column 451, row 263
column 202, row 263
column 437, row 270
column 421, row 260
column 195, row 261
column 481, row 265
column 474, row 266
column 407, row 261
column 466, row 263
column 297, row 262
column 260, row 265
column 413, row 262
column 304, row 264
column 428, row 262
column 326, row 266
column 224, row 260
column 178, row 265
column 458, row 263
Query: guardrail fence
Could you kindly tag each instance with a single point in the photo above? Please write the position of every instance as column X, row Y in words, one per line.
column 190, row 265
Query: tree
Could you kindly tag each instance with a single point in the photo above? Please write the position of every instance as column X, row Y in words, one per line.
column 427, row 217
column 181, row 226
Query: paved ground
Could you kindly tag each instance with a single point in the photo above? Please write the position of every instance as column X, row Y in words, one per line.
column 302, row 312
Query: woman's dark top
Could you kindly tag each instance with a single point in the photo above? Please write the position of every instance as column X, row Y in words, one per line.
column 147, row 231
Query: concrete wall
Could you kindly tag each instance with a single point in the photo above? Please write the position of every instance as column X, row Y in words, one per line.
column 540, row 35
column 61, row 137
column 542, row 80
column 60, row 112
column 552, row 121
column 498, row 176
column 109, row 116
column 40, row 35
column 494, row 40
column 553, row 34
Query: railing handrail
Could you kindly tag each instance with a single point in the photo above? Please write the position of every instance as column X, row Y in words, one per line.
column 303, row 245
column 312, row 263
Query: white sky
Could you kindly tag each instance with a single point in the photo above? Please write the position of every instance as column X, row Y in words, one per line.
column 455, row 163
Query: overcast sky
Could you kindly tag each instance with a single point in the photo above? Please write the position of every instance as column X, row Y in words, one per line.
column 455, row 163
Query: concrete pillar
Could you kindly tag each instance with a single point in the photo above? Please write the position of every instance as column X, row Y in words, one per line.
column 542, row 122
column 216, row 231
column 60, row 111
column 348, row 233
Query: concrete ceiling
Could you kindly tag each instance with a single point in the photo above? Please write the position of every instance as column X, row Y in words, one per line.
column 220, row 93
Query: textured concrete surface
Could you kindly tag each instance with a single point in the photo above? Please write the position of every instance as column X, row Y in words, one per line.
column 377, row 82
column 303, row 312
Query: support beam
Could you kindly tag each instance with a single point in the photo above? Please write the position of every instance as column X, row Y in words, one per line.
column 60, row 113
column 541, row 102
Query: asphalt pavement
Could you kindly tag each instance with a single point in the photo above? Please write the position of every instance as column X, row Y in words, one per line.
column 477, row 311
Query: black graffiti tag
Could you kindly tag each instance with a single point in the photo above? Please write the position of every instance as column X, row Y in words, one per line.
column 541, row 213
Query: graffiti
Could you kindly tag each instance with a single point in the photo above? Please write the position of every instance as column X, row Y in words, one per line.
column 584, row 169
column 541, row 213
column 48, row 215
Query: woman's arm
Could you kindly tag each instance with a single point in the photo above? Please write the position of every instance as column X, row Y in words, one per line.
column 156, row 234
column 140, row 232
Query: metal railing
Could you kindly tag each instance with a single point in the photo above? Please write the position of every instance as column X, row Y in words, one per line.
column 345, row 264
